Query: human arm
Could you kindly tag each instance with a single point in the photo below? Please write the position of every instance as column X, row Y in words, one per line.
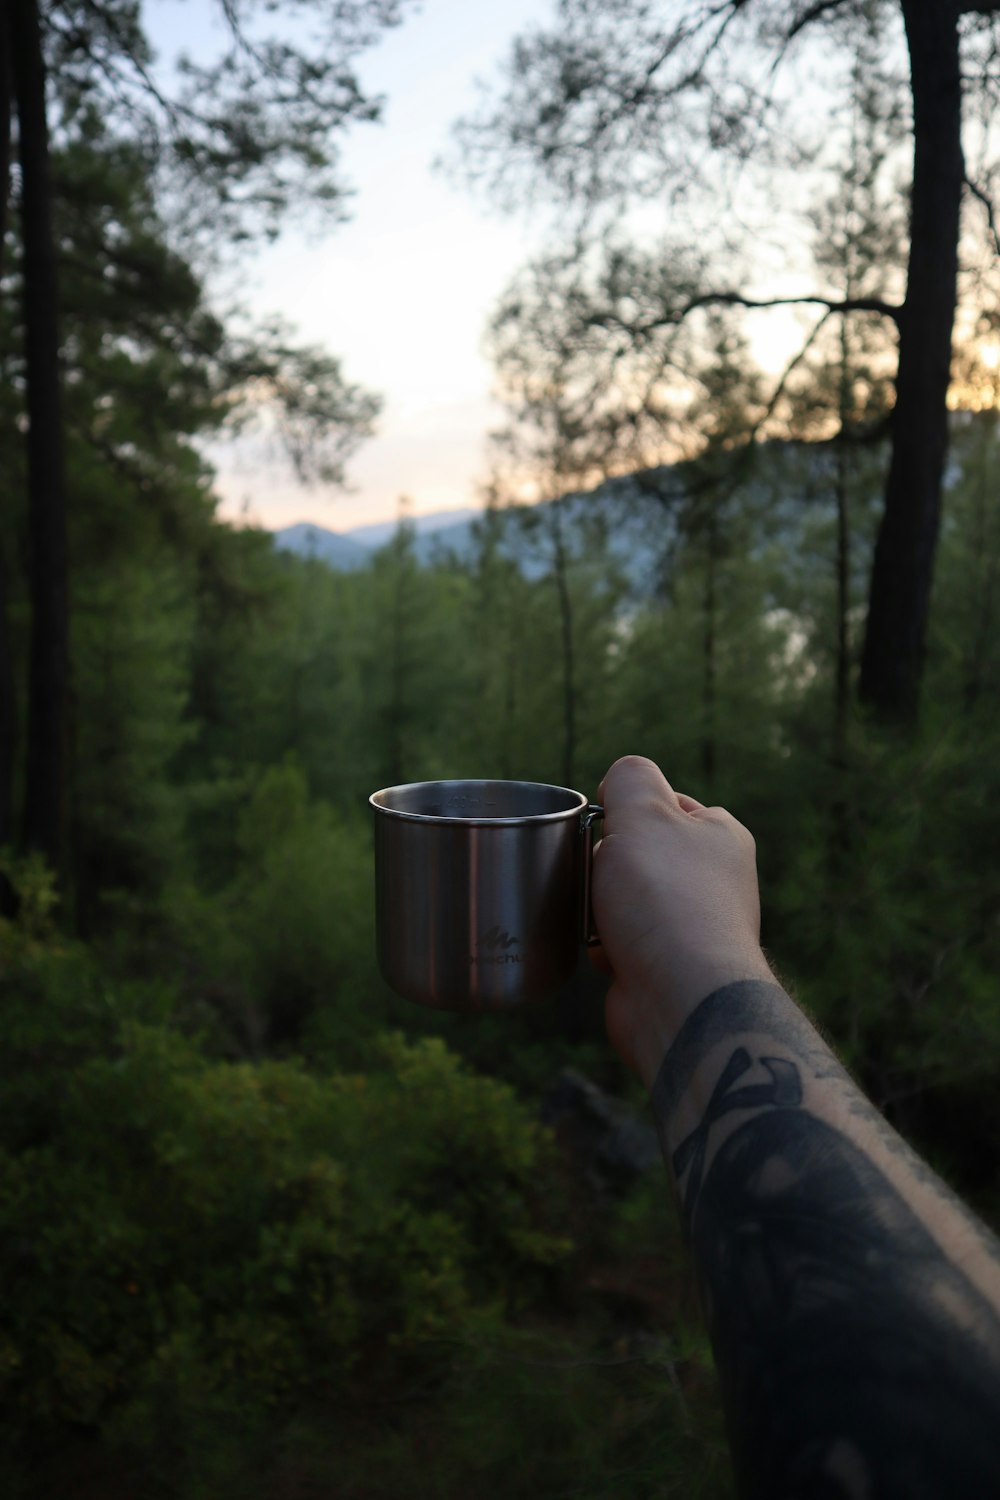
column 852, row 1301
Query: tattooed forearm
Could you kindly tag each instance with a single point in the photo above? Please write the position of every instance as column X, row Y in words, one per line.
column 858, row 1358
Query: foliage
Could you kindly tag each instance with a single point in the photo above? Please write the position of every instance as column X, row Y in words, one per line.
column 187, row 1239
column 319, row 1214
column 886, row 921
column 217, row 1102
column 537, row 1413
column 240, row 137
column 285, row 945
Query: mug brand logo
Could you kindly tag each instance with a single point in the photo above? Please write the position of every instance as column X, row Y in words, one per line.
column 497, row 941
column 496, row 937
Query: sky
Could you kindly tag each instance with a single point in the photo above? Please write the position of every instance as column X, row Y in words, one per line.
column 403, row 292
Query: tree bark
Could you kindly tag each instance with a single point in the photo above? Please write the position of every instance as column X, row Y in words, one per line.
column 45, row 786
column 899, row 597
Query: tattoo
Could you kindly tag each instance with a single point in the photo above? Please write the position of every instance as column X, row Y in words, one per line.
column 784, row 1089
column 856, row 1359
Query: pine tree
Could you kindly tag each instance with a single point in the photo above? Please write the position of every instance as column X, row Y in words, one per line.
column 251, row 132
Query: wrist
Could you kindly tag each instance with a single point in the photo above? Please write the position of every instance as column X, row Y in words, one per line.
column 661, row 1016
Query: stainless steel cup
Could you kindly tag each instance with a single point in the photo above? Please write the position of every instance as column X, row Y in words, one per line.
column 482, row 890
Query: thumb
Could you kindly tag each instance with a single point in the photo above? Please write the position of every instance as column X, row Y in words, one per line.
column 632, row 789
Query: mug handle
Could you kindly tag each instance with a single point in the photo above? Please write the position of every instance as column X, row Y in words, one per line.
column 591, row 814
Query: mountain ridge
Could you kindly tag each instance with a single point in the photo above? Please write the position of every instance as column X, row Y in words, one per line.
column 355, row 547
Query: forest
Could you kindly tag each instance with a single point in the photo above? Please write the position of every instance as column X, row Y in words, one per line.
column 266, row 1229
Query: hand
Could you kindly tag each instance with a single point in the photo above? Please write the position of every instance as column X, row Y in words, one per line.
column 676, row 904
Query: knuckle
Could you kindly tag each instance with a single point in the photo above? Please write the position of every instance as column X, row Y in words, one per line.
column 725, row 819
column 634, row 763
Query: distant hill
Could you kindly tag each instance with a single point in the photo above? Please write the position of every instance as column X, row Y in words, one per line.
column 336, row 549
column 448, row 530
column 635, row 516
column 380, row 532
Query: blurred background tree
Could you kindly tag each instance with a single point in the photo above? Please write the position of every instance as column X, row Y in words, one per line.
column 239, row 144
column 613, row 103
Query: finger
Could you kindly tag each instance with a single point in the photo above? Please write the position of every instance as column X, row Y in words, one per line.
column 632, row 786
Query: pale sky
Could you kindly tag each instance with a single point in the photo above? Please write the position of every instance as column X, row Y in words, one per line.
column 403, row 292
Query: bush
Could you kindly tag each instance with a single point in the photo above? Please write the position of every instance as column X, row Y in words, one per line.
column 188, row 1244
column 286, row 950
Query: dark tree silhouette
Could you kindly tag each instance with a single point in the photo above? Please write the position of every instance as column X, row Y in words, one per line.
column 45, row 786
column 249, row 137
column 628, row 99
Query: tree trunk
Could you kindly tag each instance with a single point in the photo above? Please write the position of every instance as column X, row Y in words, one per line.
column 8, row 707
column 899, row 599
column 45, row 788
column 708, row 759
column 511, row 663
column 6, row 106
column 397, row 678
column 842, row 683
column 839, row 835
column 986, row 571
column 568, row 647
column 8, row 747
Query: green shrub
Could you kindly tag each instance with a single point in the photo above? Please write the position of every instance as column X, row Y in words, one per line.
column 284, row 954
column 186, row 1244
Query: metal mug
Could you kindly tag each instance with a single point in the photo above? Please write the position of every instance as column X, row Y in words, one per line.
column 482, row 890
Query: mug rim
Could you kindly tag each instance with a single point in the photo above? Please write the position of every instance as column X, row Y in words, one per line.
column 478, row 822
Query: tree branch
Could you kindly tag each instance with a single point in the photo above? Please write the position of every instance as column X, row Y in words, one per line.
column 736, row 299
column 812, row 13
column 846, row 305
column 984, row 198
